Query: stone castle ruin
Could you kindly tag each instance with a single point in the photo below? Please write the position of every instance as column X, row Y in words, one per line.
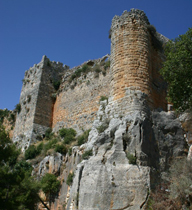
column 132, row 83
column 132, row 116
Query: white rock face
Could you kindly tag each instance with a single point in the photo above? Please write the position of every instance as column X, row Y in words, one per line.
column 106, row 180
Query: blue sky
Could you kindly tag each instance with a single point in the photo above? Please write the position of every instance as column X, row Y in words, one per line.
column 70, row 31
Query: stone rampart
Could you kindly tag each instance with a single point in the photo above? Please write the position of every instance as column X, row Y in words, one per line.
column 36, row 101
column 77, row 103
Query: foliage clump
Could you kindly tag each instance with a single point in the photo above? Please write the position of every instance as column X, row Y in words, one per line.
column 50, row 186
column 18, row 190
column 177, row 72
column 18, row 108
column 83, row 138
column 70, row 179
column 48, row 133
column 68, row 134
column 103, row 98
column 103, row 126
column 31, row 152
column 61, row 148
column 84, row 69
column 56, row 84
column 87, row 154
column 132, row 159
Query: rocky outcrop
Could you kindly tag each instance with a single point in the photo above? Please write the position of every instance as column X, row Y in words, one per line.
column 108, row 180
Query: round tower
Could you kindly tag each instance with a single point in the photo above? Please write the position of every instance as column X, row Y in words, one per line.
column 135, row 63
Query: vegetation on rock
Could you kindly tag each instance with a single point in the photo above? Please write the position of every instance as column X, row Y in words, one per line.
column 68, row 134
column 132, row 159
column 83, row 138
column 87, row 154
column 70, row 179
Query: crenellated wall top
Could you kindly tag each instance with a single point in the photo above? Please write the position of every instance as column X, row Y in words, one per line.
column 134, row 14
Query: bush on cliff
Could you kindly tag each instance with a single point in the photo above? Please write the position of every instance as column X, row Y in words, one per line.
column 87, row 154
column 68, row 134
column 63, row 132
column 48, row 133
column 70, row 179
column 61, row 149
column 18, row 108
column 83, row 138
column 132, row 159
column 31, row 152
column 56, row 84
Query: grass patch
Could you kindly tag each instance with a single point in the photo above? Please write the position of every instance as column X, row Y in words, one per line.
column 132, row 159
column 87, row 154
column 83, row 138
column 70, row 179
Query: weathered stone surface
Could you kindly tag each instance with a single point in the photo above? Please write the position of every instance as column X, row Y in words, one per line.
column 107, row 180
column 77, row 103
column 36, row 102
column 50, row 164
column 135, row 60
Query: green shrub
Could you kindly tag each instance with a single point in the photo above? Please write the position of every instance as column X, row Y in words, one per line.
column 40, row 147
column 103, row 98
column 103, row 126
column 49, row 63
column 63, row 132
column 83, row 138
column 18, row 108
column 80, row 140
column 107, row 64
column 70, row 179
column 85, row 68
column 61, row 149
column 56, row 84
column 132, row 159
column 86, row 154
column 68, row 139
column 48, row 133
column 50, row 145
column 70, row 151
column 31, row 152
column 97, row 70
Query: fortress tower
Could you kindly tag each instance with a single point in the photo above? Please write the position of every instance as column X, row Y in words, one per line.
column 36, row 101
column 136, row 57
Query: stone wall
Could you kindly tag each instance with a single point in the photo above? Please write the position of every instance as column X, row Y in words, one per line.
column 136, row 57
column 77, row 103
column 36, row 101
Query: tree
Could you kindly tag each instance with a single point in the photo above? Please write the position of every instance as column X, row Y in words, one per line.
column 50, row 186
column 18, row 190
column 177, row 71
